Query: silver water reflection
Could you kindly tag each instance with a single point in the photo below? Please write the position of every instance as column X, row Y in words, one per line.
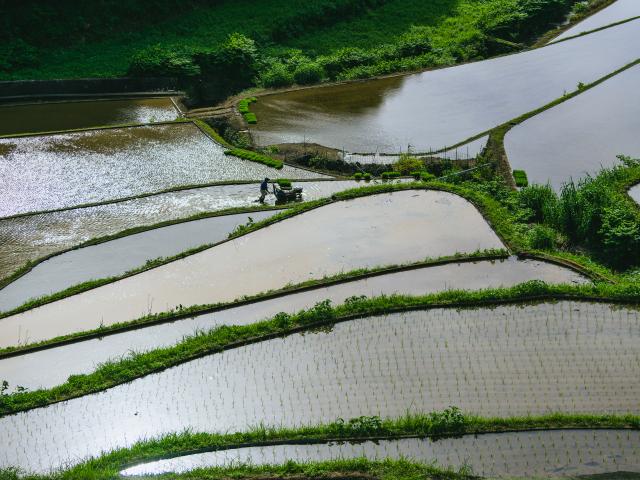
column 504, row 361
column 581, row 135
column 617, row 11
column 518, row 454
column 634, row 192
column 383, row 229
column 435, row 109
column 23, row 239
column 31, row 370
column 57, row 171
column 119, row 256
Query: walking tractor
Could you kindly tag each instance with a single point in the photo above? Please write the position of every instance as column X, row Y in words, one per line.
column 285, row 192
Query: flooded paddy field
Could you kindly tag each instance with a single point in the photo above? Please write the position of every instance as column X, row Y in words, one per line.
column 463, row 152
column 397, row 228
column 31, row 370
column 29, row 238
column 616, row 12
column 570, row 141
column 515, row 454
column 52, row 116
column 119, row 256
column 58, row 171
column 435, row 109
column 504, row 361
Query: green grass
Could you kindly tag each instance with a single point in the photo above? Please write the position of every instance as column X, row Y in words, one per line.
column 448, row 422
column 520, row 177
column 255, row 157
column 222, row 338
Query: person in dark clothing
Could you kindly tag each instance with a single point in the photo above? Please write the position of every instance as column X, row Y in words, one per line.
column 264, row 189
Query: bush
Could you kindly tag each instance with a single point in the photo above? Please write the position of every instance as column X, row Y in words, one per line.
column 390, row 175
column 357, row 176
column 520, row 176
column 366, row 177
column 407, row 164
column 542, row 238
column 277, row 75
column 426, row 176
column 344, row 59
column 254, row 157
column 308, row 73
column 620, row 233
column 159, row 61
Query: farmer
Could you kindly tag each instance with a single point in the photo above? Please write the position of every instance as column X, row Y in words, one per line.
column 264, row 189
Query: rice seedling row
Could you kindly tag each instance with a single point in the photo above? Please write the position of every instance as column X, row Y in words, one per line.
column 512, row 360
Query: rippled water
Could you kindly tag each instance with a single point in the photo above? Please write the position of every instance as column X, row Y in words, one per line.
column 513, row 454
column 119, row 256
column 51, row 116
column 383, row 229
column 505, row 361
column 31, row 370
column 619, row 10
column 57, row 171
column 434, row 109
column 581, row 135
column 29, row 238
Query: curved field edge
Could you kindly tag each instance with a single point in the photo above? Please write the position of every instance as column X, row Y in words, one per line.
column 323, row 314
column 437, row 424
column 493, row 212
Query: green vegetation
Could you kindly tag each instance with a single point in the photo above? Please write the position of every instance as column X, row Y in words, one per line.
column 283, row 182
column 390, row 175
column 137, row 365
column 520, row 177
column 243, row 108
column 255, row 157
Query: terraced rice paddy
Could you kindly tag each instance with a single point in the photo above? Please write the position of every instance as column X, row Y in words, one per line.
column 533, row 454
column 29, row 238
column 616, row 12
column 50, row 116
column 435, row 109
column 57, row 171
column 119, row 256
column 509, row 360
column 569, row 141
column 398, row 228
column 30, row 370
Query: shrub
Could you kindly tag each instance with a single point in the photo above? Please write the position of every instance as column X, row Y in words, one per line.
column 542, row 238
column 254, row 157
column 357, row 176
column 308, row 73
column 520, row 176
column 344, row 59
column 390, row 175
column 542, row 202
column 426, row 176
column 407, row 164
column 277, row 75
column 620, row 233
column 366, row 177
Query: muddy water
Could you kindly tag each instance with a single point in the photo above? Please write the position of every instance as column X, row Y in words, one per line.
column 47, row 117
column 517, row 454
column 581, row 135
column 58, row 171
column 382, row 229
column 510, row 360
column 30, row 370
column 634, row 192
column 24, row 239
column 619, row 10
column 435, row 109
column 119, row 256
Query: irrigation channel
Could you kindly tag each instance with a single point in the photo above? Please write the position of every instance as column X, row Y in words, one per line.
column 618, row 11
column 68, row 115
column 440, row 108
column 32, row 237
column 530, row 454
column 397, row 228
column 30, row 370
column 57, row 171
column 569, row 140
column 504, row 361
column 121, row 255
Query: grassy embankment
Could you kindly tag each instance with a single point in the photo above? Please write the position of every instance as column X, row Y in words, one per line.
column 434, row 424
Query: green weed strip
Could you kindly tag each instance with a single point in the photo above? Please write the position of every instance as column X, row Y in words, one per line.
column 322, row 315
column 496, row 216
